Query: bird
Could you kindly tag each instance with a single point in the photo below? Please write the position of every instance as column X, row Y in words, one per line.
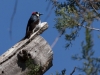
column 33, row 24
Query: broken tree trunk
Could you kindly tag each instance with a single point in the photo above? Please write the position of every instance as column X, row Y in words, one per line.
column 33, row 55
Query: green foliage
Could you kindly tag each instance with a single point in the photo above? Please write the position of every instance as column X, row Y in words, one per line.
column 72, row 14
column 33, row 69
column 91, row 64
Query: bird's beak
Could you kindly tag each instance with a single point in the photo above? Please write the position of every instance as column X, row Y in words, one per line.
column 40, row 14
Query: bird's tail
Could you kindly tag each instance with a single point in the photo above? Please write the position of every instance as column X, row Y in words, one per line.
column 27, row 35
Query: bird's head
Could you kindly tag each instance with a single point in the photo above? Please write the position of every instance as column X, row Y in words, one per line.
column 37, row 14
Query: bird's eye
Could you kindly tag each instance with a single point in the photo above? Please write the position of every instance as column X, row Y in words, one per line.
column 36, row 12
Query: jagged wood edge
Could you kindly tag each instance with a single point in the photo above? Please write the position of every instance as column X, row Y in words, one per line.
column 23, row 43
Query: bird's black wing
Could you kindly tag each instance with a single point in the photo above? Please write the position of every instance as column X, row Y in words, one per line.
column 29, row 27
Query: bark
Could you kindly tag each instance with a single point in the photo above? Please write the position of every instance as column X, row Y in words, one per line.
column 36, row 48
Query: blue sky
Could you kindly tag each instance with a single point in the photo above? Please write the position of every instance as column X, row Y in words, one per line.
column 62, row 57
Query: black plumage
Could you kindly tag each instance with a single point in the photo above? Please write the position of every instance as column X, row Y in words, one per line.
column 32, row 22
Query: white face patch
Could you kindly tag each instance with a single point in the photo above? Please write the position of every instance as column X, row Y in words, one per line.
column 37, row 15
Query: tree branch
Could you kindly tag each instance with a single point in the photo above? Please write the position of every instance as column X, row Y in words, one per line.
column 85, row 9
column 93, row 7
column 12, row 17
column 91, row 28
column 73, row 71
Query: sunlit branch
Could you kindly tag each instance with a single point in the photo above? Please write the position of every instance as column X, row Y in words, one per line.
column 85, row 9
column 91, row 28
column 93, row 7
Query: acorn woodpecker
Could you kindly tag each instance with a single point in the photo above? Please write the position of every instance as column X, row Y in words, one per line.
column 33, row 24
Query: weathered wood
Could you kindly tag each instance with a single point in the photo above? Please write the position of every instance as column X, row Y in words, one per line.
column 36, row 48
